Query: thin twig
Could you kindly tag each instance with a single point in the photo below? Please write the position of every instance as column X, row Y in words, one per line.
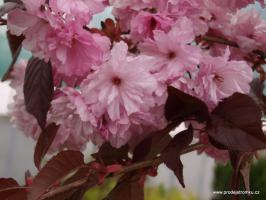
column 157, row 161
column 213, row 39
column 65, row 188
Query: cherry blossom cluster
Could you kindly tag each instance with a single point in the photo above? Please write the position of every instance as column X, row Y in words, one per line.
column 113, row 87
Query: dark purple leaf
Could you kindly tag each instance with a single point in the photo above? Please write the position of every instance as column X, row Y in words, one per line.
column 128, row 187
column 44, row 142
column 109, row 155
column 57, row 168
column 38, row 89
column 236, row 124
column 8, row 182
column 241, row 162
column 10, row 190
column 74, row 187
column 14, row 42
column 171, row 155
column 181, row 106
column 154, row 144
column 7, row 75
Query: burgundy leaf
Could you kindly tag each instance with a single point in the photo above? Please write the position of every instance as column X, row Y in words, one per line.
column 8, row 182
column 14, row 42
column 241, row 162
column 236, row 124
column 38, row 89
column 10, row 190
column 44, row 142
column 57, row 168
column 128, row 187
column 181, row 106
column 74, row 187
column 7, row 75
column 109, row 155
column 154, row 144
column 171, row 155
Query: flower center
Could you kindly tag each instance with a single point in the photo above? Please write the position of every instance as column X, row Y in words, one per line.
column 116, row 81
column 171, row 55
column 218, row 78
column 153, row 24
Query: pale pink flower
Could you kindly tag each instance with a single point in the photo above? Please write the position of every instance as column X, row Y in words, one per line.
column 220, row 77
column 81, row 9
column 33, row 6
column 143, row 25
column 248, row 29
column 172, row 52
column 32, row 27
column 233, row 5
column 119, row 90
column 132, row 4
column 23, row 120
column 71, row 49
column 69, row 111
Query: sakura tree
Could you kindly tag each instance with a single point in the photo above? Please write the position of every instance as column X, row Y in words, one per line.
column 126, row 86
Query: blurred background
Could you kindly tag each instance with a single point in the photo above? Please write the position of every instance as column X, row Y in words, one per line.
column 202, row 175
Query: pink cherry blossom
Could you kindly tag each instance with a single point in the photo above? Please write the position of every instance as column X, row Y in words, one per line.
column 33, row 6
column 220, row 77
column 143, row 25
column 248, row 29
column 69, row 111
column 118, row 91
column 74, row 50
column 79, row 8
column 173, row 52
column 236, row 4
column 71, row 49
column 17, row 109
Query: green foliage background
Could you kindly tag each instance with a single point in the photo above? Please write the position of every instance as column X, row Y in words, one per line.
column 151, row 193
column 257, row 180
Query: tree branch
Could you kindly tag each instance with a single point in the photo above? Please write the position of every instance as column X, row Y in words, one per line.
column 141, row 165
column 213, row 39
